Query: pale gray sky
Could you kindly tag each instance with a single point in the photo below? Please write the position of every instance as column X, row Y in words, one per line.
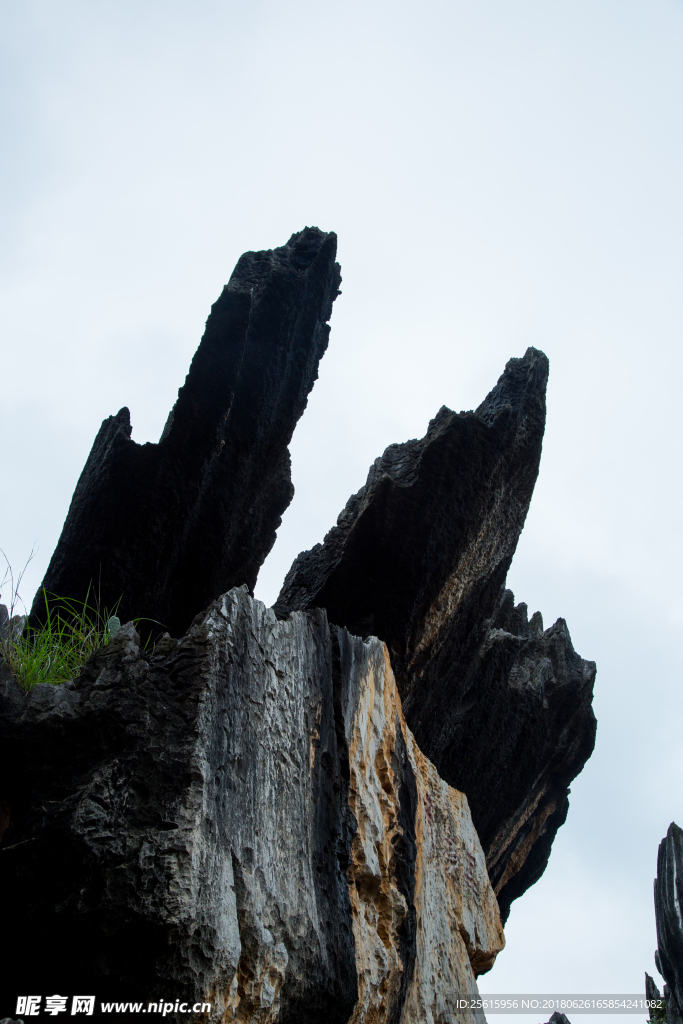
column 500, row 174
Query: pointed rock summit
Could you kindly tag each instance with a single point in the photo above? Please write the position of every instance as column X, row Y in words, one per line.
column 419, row 558
column 165, row 528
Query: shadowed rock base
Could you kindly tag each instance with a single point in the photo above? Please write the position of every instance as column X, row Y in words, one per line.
column 242, row 818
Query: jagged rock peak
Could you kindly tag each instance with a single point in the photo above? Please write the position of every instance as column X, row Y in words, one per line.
column 165, row 528
column 519, row 724
column 432, row 497
column 419, row 558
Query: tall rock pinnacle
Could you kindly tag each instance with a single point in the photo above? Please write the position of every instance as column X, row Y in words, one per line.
column 165, row 528
column 419, row 557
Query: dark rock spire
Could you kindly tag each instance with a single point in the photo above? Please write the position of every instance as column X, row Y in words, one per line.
column 421, row 551
column 165, row 528
column 669, row 917
column 418, row 558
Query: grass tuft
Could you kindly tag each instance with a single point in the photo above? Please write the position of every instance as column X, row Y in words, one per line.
column 58, row 649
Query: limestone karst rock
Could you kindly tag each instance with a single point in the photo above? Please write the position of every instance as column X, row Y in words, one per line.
column 165, row 528
column 669, row 918
column 418, row 558
column 242, row 815
column 241, row 818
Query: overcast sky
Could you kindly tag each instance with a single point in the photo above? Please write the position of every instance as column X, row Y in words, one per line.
column 501, row 173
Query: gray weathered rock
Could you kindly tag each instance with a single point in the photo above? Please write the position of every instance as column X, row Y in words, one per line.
column 668, row 888
column 419, row 557
column 651, row 990
column 516, row 727
column 241, row 817
column 653, row 996
column 165, row 528
column 10, row 627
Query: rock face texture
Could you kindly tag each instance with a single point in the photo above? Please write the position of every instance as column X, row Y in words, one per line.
column 654, row 996
column 519, row 725
column 243, row 818
column 165, row 528
column 10, row 627
column 669, row 917
column 419, row 557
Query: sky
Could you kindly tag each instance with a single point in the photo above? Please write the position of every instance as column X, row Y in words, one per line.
column 499, row 175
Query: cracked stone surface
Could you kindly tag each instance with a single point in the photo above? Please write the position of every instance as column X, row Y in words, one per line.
column 241, row 817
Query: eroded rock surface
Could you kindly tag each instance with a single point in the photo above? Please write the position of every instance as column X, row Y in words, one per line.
column 165, row 528
column 516, row 726
column 241, row 817
column 419, row 558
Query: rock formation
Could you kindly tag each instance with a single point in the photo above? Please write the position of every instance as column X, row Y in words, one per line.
column 241, row 815
column 10, row 627
column 242, row 818
column 165, row 528
column 418, row 558
column 654, row 998
column 669, row 917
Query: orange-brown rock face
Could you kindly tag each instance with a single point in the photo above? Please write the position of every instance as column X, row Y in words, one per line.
column 457, row 929
column 242, row 818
